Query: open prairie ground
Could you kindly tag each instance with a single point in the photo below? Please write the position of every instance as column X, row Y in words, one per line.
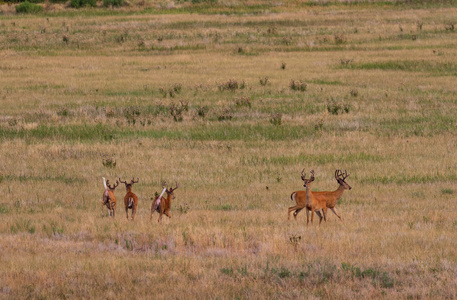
column 232, row 102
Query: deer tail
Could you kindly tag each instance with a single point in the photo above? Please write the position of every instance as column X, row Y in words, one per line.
column 292, row 196
column 104, row 183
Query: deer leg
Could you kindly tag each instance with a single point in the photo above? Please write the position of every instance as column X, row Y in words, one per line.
column 292, row 208
column 127, row 212
column 335, row 212
column 307, row 216
column 296, row 213
column 133, row 213
column 324, row 211
column 318, row 213
column 167, row 213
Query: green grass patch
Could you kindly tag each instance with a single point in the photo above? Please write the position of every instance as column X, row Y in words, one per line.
column 425, row 125
column 447, row 191
column 409, row 179
column 78, row 132
column 321, row 159
column 54, row 178
column 437, row 68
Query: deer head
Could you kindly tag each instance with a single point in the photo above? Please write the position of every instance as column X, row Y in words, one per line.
column 340, row 177
column 112, row 187
column 128, row 186
column 306, row 182
column 170, row 190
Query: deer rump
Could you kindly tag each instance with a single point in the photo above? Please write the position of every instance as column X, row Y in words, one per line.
column 130, row 203
column 157, row 204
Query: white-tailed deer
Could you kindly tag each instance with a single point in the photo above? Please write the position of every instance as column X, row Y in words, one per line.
column 331, row 198
column 130, row 199
column 109, row 199
column 163, row 205
column 305, row 199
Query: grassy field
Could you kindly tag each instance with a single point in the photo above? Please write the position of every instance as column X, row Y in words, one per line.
column 232, row 101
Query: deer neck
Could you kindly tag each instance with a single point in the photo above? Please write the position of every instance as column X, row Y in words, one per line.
column 339, row 192
column 169, row 197
column 308, row 195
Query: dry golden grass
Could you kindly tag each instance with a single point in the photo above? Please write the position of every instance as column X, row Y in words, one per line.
column 107, row 90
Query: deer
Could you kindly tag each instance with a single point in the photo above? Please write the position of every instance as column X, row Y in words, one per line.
column 163, row 205
column 332, row 198
column 130, row 199
column 306, row 199
column 109, row 199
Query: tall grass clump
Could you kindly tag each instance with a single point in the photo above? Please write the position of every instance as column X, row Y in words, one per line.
column 298, row 85
column 83, row 3
column 337, row 106
column 113, row 3
column 28, row 8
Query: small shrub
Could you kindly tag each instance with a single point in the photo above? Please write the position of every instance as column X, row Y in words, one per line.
column 83, row 3
column 176, row 110
column 131, row 113
column 286, row 40
column 64, row 112
column 109, row 112
column 419, row 25
column 243, row 102
column 172, row 91
column 354, row 92
column 272, row 30
column 295, row 241
column 122, row 37
column 65, row 39
column 28, row 8
column 339, row 39
column 443, row 191
column 345, row 62
column 298, row 85
column 319, row 125
column 263, row 81
column 225, row 115
column 12, row 122
column 113, row 3
column 337, row 107
column 108, row 161
column 184, row 208
column 276, row 119
column 449, row 26
column 278, row 177
column 283, row 66
column 231, row 85
column 227, row 271
column 202, row 111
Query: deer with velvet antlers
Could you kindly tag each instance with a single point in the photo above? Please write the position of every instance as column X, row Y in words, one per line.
column 163, row 205
column 305, row 199
column 109, row 199
column 130, row 199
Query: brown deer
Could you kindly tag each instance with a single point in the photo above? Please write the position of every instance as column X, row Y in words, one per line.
column 305, row 199
column 163, row 205
column 109, row 199
column 332, row 198
column 130, row 199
